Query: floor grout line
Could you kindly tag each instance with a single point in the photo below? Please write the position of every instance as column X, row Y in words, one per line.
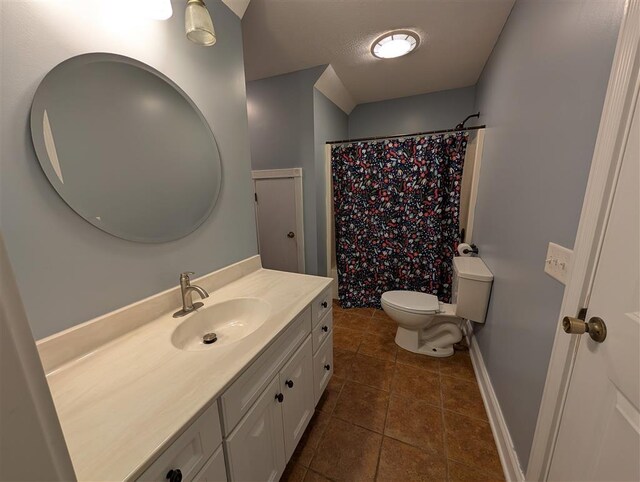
column 393, row 365
column 384, row 428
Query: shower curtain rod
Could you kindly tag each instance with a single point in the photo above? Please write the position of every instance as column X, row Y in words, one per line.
column 442, row 131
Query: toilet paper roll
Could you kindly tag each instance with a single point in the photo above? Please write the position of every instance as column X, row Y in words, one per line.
column 462, row 247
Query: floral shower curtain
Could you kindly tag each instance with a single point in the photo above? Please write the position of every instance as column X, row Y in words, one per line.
column 397, row 205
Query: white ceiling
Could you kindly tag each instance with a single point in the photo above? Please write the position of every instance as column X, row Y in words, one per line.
column 457, row 36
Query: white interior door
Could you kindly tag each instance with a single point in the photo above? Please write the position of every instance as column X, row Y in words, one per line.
column 599, row 436
column 278, row 217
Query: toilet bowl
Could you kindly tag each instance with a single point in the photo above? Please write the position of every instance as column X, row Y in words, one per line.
column 425, row 325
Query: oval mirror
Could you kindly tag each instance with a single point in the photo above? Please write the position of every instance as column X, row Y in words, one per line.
column 125, row 147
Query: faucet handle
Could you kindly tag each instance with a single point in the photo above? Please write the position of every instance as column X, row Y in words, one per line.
column 186, row 274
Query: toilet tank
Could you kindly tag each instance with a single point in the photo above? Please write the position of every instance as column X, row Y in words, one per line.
column 472, row 282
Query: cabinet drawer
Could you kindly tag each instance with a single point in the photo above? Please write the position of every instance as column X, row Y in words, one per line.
column 214, row 469
column 322, row 367
column 321, row 330
column 190, row 451
column 321, row 305
column 239, row 397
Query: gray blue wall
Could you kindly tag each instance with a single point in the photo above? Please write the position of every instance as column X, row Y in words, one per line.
column 417, row 113
column 329, row 123
column 541, row 96
column 67, row 270
column 282, row 132
column 290, row 121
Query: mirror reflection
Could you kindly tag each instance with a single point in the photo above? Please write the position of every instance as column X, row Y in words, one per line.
column 125, row 148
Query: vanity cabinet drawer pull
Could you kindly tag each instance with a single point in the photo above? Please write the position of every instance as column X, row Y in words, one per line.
column 327, row 367
column 289, row 383
column 323, row 330
column 174, row 475
column 280, row 397
column 321, row 305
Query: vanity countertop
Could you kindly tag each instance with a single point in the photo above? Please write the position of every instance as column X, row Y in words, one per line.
column 122, row 404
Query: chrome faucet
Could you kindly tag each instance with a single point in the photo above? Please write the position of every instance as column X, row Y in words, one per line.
column 186, row 290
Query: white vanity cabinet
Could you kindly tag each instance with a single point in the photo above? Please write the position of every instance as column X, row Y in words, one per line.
column 264, row 440
column 185, row 458
column 252, row 430
column 214, row 469
column 260, row 445
column 255, row 449
column 296, row 385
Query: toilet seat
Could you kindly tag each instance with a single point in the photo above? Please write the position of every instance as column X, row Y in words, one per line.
column 412, row 302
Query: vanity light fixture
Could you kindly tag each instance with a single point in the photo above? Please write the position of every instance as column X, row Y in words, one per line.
column 198, row 25
column 395, row 44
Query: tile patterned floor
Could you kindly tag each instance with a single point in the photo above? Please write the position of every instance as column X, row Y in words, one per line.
column 392, row 415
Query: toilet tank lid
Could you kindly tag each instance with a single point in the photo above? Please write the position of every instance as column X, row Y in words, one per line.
column 413, row 301
column 472, row 268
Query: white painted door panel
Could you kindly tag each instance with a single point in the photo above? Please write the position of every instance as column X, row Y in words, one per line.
column 322, row 367
column 296, row 382
column 255, row 448
column 276, row 218
column 214, row 470
column 599, row 436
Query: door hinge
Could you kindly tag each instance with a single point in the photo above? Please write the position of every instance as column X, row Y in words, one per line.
column 255, row 195
column 582, row 314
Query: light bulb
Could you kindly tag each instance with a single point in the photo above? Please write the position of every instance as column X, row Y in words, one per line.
column 198, row 25
column 395, row 44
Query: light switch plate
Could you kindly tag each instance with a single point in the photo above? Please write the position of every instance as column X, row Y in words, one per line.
column 558, row 262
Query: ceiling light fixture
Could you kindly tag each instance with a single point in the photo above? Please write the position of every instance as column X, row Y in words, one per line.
column 198, row 25
column 395, row 44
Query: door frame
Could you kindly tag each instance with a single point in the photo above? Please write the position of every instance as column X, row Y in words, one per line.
column 295, row 174
column 611, row 141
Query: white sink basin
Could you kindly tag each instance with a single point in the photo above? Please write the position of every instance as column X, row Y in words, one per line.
column 230, row 321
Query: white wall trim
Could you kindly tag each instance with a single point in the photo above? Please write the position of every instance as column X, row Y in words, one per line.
column 277, row 173
column 612, row 135
column 506, row 450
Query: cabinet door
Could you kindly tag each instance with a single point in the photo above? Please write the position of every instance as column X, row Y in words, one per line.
column 296, row 381
column 322, row 367
column 214, row 470
column 255, row 448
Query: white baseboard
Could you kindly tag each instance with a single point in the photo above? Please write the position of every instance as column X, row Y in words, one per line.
column 508, row 456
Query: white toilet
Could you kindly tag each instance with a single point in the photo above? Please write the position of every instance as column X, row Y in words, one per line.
column 427, row 326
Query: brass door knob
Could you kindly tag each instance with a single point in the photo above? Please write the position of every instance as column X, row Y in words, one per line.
column 595, row 327
column 291, row 234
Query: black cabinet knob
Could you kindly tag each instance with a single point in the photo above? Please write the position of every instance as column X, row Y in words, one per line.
column 280, row 397
column 324, row 304
column 327, row 367
column 325, row 328
column 289, row 383
column 174, row 475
